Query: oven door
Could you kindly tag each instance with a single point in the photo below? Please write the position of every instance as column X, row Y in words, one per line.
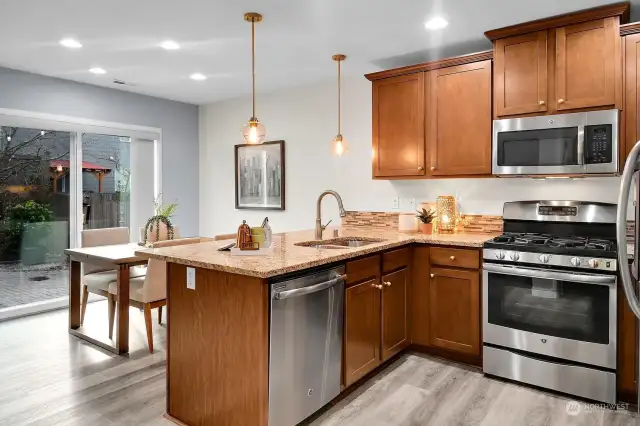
column 568, row 315
column 539, row 145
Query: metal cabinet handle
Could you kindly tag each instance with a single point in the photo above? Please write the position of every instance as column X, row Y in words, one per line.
column 433, row 275
column 541, row 102
column 433, row 168
column 387, row 283
column 420, row 168
column 561, row 101
column 378, row 286
column 452, row 257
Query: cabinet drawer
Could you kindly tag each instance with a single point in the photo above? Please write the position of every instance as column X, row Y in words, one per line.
column 363, row 269
column 395, row 259
column 455, row 257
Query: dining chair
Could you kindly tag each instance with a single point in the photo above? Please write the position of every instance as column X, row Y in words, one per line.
column 150, row 292
column 95, row 278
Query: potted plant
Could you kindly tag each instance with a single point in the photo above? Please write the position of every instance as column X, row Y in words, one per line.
column 159, row 227
column 426, row 218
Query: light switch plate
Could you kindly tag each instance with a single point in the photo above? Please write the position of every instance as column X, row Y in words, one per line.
column 191, row 278
column 396, row 203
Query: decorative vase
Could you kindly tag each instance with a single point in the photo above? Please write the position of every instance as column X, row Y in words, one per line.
column 426, row 228
column 157, row 231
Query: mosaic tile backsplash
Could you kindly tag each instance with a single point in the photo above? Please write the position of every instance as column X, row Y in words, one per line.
column 469, row 223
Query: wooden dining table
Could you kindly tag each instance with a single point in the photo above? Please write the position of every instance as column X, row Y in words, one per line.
column 119, row 257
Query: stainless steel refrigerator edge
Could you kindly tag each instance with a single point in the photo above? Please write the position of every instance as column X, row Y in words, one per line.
column 631, row 172
column 305, row 345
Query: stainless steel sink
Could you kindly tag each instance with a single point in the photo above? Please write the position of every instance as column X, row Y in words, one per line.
column 340, row 243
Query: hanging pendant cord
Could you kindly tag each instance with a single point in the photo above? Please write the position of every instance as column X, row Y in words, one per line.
column 253, row 64
column 339, row 131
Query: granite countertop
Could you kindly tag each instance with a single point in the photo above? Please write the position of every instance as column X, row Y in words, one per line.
column 287, row 257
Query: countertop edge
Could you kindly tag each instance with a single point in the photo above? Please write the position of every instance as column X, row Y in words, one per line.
column 312, row 263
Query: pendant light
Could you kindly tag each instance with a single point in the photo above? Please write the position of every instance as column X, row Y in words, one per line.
column 338, row 144
column 253, row 132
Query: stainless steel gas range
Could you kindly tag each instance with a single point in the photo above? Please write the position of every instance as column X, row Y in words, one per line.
column 549, row 297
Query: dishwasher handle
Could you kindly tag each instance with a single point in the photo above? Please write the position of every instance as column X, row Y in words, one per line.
column 288, row 294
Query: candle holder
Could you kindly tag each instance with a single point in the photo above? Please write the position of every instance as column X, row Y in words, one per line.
column 446, row 213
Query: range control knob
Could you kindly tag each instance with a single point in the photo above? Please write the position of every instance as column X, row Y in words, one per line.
column 514, row 256
column 594, row 263
column 576, row 261
column 544, row 258
column 499, row 255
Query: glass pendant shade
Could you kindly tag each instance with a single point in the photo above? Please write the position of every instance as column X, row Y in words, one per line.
column 254, row 132
column 339, row 146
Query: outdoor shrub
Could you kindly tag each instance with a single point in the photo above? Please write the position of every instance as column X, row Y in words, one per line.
column 19, row 218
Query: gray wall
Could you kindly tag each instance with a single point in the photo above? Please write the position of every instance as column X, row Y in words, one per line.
column 178, row 121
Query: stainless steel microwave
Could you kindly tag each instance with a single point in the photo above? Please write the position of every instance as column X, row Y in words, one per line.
column 580, row 143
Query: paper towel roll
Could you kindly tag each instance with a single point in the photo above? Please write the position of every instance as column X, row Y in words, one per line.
column 407, row 222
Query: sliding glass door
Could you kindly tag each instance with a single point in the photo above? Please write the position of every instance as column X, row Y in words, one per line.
column 59, row 177
column 34, row 215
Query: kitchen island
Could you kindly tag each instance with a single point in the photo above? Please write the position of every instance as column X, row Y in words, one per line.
column 219, row 319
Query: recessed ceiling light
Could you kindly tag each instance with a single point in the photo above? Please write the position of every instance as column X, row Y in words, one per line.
column 71, row 43
column 97, row 71
column 169, row 45
column 436, row 23
column 198, row 77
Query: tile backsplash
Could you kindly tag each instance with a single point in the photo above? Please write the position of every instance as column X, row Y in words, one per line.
column 469, row 223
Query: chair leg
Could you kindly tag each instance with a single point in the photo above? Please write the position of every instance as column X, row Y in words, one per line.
column 160, row 315
column 111, row 301
column 148, row 323
column 83, row 308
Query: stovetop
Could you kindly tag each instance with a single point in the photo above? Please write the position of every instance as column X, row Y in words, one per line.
column 554, row 244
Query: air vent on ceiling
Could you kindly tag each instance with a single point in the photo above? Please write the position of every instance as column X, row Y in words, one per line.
column 122, row 82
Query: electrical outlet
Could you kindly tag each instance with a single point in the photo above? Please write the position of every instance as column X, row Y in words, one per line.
column 396, row 203
column 191, row 278
column 412, row 203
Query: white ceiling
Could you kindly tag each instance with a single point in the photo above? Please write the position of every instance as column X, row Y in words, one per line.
column 294, row 42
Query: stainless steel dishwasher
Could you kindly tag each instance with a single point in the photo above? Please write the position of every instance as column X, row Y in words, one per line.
column 305, row 344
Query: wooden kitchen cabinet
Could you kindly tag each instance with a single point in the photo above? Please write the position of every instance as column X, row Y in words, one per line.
column 520, row 74
column 395, row 318
column 632, row 95
column 398, row 126
column 459, row 120
column 454, row 310
column 586, row 61
column 627, row 350
column 361, row 330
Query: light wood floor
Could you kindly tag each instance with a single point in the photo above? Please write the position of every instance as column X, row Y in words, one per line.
column 50, row 378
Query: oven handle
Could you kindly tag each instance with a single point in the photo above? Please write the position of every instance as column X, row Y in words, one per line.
column 551, row 275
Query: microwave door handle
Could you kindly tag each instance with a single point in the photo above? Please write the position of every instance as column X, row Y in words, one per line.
column 551, row 275
column 581, row 146
column 621, row 229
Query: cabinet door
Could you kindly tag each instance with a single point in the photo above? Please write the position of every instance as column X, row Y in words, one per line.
column 520, row 74
column 454, row 307
column 361, row 330
column 420, row 296
column 586, row 58
column 395, row 328
column 459, row 111
column 627, row 350
column 398, row 126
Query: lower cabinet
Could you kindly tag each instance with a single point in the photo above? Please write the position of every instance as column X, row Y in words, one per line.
column 454, row 310
column 395, row 327
column 361, row 330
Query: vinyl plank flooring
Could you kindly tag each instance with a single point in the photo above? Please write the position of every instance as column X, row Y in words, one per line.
column 48, row 377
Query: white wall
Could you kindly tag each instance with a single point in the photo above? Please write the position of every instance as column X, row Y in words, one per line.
column 305, row 117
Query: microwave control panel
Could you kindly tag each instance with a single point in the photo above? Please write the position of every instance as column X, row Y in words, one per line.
column 598, row 143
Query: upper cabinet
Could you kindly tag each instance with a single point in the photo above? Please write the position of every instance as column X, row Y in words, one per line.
column 459, row 120
column 520, row 74
column 398, row 126
column 566, row 63
column 587, row 57
column 434, row 119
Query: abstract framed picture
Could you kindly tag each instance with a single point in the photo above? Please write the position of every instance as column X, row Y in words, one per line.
column 260, row 176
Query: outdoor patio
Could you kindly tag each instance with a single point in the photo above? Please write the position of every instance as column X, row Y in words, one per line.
column 20, row 285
